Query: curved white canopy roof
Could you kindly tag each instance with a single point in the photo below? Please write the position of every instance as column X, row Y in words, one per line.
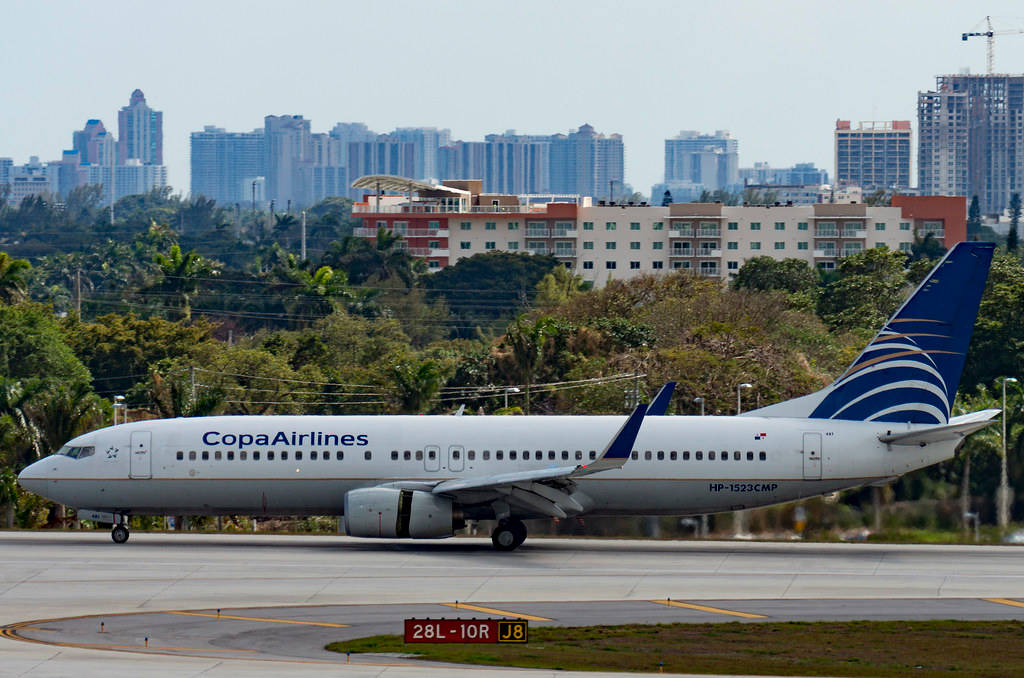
column 389, row 182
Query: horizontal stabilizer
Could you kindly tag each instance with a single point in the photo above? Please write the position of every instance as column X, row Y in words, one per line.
column 958, row 427
column 659, row 406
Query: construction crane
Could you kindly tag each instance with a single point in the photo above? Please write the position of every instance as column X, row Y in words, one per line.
column 990, row 35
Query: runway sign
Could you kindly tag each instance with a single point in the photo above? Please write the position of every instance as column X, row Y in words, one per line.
column 466, row 631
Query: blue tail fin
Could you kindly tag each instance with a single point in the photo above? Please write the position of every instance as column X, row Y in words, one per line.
column 910, row 371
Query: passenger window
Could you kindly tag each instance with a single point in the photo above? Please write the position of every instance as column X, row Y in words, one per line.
column 339, row 455
column 368, row 455
column 255, row 455
column 456, row 454
column 711, row 455
column 737, row 455
column 579, row 455
column 647, row 455
column 270, row 455
column 635, row 455
column 725, row 455
column 511, row 454
column 419, row 455
column 284, row 455
column 431, row 454
column 231, row 455
column 298, row 455
column 407, row 455
column 326, row 455
column 750, row 456
column 312, row 455
column 762, row 456
column 498, row 455
column 216, row 455
column 593, row 455
column 206, row 455
column 551, row 454
column 698, row 455
column 394, row 455
column 672, row 455
column 180, row 455
column 471, row 455
column 487, row 455
column 242, row 455
column 661, row 455
column 686, row 455
column 538, row 455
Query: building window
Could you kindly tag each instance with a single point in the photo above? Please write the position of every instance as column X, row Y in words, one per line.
column 382, row 224
column 513, row 225
column 489, row 245
column 658, row 265
column 609, row 225
column 780, row 245
column 588, row 244
column 658, row 226
column 755, row 225
column 879, row 227
column 732, row 245
column 609, row 265
column 801, row 226
column 434, row 224
column 588, row 225
column 634, row 245
column 755, row 245
column 780, row 225
column 734, row 226
column 658, row 245
column 465, row 245
column 634, row 265
column 733, row 265
column 513, row 244
column 490, row 226
column 433, row 264
column 904, row 247
column 634, row 225
column 434, row 244
column 465, row 225
column 904, row 226
column 881, row 246
column 802, row 245
column 588, row 265
column 610, row 245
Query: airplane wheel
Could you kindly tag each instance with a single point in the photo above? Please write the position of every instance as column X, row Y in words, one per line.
column 119, row 534
column 508, row 535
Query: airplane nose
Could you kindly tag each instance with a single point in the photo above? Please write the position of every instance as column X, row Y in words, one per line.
column 32, row 477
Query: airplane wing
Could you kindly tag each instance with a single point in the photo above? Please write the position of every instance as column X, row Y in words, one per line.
column 659, row 406
column 545, row 491
column 957, row 428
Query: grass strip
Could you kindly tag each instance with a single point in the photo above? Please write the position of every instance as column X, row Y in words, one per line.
column 855, row 648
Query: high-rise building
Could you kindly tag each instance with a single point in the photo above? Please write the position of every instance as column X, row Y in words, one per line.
column 875, row 155
column 801, row 174
column 708, row 160
column 94, row 144
column 132, row 178
column 509, row 163
column 971, row 138
column 427, row 141
column 286, row 147
column 6, row 165
column 224, row 163
column 384, row 155
column 141, row 131
column 587, row 163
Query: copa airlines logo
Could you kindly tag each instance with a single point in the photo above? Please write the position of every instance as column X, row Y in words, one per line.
column 894, row 379
column 284, row 438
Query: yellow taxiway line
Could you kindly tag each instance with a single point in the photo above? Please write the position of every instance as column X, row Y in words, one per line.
column 491, row 610
column 705, row 608
column 1004, row 601
column 259, row 619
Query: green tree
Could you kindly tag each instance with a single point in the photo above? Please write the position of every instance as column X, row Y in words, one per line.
column 181, row 276
column 557, row 287
column 32, row 346
column 12, row 278
column 870, row 287
column 1013, row 237
column 64, row 411
column 789, row 275
column 418, row 383
column 526, row 341
column 997, row 346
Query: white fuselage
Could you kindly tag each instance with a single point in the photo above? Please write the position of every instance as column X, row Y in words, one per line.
column 681, row 465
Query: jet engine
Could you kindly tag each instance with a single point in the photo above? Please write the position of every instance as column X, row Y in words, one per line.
column 388, row 512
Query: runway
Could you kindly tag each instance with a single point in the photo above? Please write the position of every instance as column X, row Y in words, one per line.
column 281, row 598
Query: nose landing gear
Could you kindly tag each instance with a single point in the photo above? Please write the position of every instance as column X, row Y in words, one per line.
column 120, row 532
column 509, row 534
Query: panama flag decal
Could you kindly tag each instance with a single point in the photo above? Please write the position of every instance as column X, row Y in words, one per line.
column 760, row 436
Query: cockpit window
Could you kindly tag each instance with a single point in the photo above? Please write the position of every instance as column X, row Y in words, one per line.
column 77, row 452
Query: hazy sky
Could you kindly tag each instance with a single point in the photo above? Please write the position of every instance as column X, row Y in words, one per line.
column 776, row 74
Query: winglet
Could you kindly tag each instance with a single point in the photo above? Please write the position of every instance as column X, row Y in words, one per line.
column 618, row 450
column 659, row 406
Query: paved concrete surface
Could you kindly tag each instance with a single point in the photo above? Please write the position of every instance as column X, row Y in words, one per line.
column 370, row 585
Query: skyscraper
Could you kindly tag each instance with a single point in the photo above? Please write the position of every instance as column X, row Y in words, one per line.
column 711, row 160
column 427, row 141
column 971, row 138
column 875, row 155
column 587, row 163
column 224, row 162
column 141, row 131
column 286, row 147
column 384, row 155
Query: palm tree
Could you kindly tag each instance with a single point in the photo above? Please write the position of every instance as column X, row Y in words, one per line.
column 527, row 341
column 12, row 278
column 181, row 275
column 15, row 404
column 418, row 383
column 985, row 440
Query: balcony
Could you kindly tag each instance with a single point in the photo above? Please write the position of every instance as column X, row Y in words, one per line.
column 363, row 232
column 710, row 232
column 822, row 254
column 538, row 233
column 426, row 208
column 933, row 233
column 855, row 234
column 681, row 233
column 680, row 252
column 826, row 233
column 710, row 272
column 563, row 233
column 426, row 252
column 705, row 252
column 565, row 252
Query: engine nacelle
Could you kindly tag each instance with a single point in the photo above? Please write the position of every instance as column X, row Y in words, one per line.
column 386, row 512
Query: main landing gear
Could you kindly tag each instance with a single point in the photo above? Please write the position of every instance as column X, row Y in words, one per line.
column 509, row 534
column 120, row 532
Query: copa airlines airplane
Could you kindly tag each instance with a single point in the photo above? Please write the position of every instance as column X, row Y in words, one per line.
column 423, row 476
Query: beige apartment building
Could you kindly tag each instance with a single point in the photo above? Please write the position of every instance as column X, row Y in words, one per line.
column 609, row 241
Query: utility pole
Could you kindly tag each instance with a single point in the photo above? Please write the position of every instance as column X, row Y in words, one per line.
column 78, row 292
column 192, row 382
column 303, row 255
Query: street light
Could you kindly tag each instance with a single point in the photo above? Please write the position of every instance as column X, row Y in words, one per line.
column 700, row 401
column 509, row 389
column 1003, row 496
column 739, row 396
column 120, row 405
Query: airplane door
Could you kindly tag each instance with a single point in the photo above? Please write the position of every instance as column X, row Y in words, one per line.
column 141, row 464
column 432, row 458
column 812, row 456
column 456, row 458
